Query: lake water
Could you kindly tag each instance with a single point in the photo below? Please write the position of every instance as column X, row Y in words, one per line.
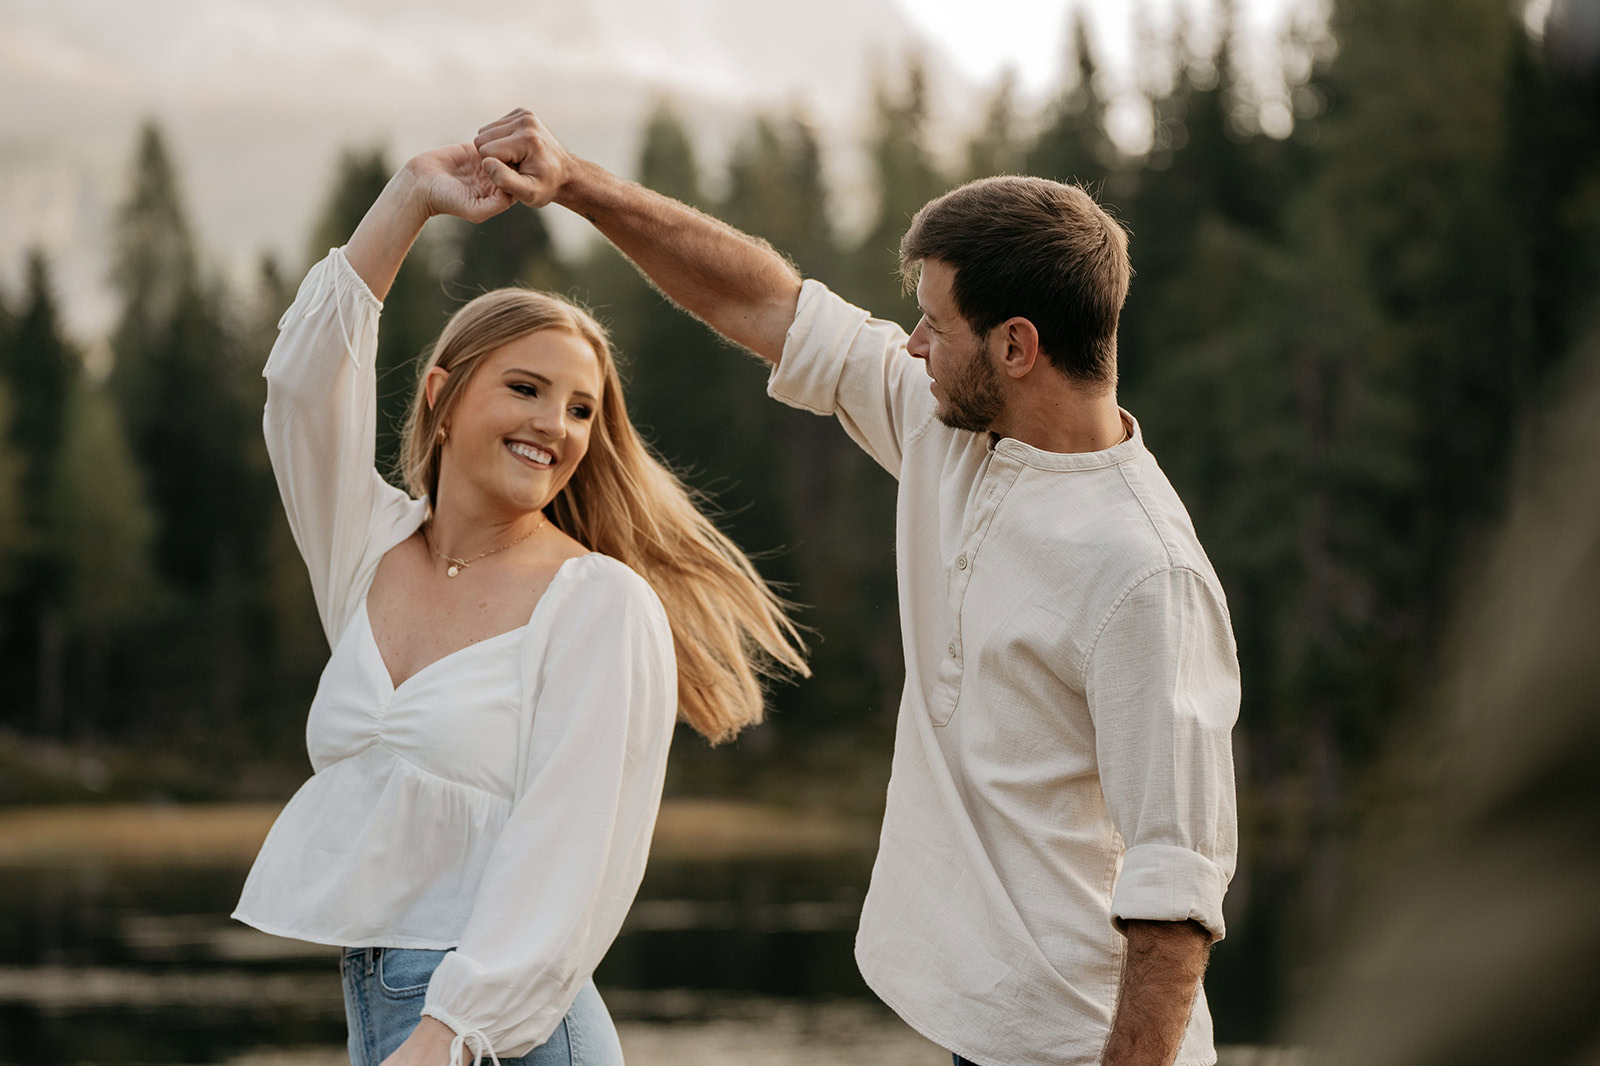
column 725, row 961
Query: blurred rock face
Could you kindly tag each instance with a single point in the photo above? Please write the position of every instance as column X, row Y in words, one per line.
column 1477, row 933
column 1572, row 38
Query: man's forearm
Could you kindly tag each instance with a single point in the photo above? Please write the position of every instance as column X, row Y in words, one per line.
column 1160, row 977
column 736, row 284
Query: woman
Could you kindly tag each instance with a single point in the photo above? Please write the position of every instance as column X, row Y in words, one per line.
column 511, row 644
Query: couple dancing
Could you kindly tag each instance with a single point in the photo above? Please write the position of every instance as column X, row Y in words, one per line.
column 515, row 635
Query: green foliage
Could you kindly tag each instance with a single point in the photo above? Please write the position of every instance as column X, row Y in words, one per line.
column 775, row 191
column 13, row 529
column 667, row 161
column 997, row 147
column 906, row 178
column 1336, row 344
column 37, row 368
column 40, row 368
column 100, row 524
column 1074, row 145
column 513, row 248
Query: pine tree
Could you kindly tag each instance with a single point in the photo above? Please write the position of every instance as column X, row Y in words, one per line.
column 1073, row 145
column 667, row 160
column 40, row 367
column 997, row 148
column 906, row 178
column 13, row 528
column 100, row 531
column 776, row 190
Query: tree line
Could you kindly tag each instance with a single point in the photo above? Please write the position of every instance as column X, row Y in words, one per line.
column 1334, row 342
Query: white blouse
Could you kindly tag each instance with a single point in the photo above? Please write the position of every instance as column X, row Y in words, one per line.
column 501, row 800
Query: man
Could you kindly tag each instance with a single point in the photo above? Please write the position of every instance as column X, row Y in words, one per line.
column 1060, row 825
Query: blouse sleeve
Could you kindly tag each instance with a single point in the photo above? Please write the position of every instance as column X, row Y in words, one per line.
column 320, row 424
column 570, row 858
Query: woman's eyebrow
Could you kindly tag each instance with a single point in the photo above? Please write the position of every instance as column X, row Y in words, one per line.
column 546, row 382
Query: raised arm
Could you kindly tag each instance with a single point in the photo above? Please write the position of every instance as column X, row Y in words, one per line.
column 735, row 283
column 453, row 180
column 321, row 412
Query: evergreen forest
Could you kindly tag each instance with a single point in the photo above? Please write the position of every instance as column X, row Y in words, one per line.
column 1339, row 341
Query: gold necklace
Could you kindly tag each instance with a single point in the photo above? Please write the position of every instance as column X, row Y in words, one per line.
column 458, row 565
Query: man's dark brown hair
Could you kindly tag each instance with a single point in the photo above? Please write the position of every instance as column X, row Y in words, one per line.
column 1035, row 249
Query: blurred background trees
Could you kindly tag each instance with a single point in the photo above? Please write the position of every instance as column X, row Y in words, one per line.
column 1339, row 340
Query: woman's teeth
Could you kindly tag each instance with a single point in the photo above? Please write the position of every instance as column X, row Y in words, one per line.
column 528, row 451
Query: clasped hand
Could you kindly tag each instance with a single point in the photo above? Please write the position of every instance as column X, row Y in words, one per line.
column 513, row 159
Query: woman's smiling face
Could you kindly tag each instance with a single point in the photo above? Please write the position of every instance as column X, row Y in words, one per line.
column 521, row 425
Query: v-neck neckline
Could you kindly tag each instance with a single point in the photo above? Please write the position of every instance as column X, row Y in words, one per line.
column 383, row 664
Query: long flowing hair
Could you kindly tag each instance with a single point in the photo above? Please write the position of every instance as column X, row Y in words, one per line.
column 730, row 629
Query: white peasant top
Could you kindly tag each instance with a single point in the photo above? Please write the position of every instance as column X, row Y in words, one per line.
column 500, row 801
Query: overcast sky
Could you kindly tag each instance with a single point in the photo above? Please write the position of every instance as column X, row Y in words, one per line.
column 257, row 97
column 1029, row 35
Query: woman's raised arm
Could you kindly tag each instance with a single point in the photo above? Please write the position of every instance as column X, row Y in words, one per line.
column 321, row 413
column 453, row 180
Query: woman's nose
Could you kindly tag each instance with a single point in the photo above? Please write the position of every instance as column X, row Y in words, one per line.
column 551, row 421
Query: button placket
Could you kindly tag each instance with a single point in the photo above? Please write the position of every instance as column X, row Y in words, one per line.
column 1001, row 474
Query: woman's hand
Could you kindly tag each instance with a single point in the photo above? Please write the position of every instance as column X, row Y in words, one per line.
column 428, row 1045
column 523, row 157
column 455, row 180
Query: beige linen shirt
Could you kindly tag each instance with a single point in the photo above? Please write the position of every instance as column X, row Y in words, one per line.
column 1062, row 759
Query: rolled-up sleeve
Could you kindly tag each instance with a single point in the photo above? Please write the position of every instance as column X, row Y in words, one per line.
column 838, row 360
column 570, row 858
column 1162, row 682
column 320, row 423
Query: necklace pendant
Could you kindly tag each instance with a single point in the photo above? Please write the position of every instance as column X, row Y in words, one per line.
column 452, row 571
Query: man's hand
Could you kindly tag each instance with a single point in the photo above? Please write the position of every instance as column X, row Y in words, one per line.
column 734, row 283
column 1160, row 976
column 523, row 158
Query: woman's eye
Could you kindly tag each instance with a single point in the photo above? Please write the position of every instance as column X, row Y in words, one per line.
column 583, row 413
column 525, row 389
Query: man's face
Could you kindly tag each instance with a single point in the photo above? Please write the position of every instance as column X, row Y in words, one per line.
column 965, row 382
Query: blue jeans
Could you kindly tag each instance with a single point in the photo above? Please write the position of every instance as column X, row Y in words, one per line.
column 384, row 989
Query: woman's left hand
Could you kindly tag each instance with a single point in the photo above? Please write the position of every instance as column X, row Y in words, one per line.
column 455, row 180
column 428, row 1045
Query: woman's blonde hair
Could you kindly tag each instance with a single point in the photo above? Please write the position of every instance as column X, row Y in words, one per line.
column 729, row 628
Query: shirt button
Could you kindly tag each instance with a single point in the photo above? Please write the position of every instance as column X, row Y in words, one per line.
column 961, row 561
column 952, row 650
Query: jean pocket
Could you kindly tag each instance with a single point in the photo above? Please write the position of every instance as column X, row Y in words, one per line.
column 404, row 972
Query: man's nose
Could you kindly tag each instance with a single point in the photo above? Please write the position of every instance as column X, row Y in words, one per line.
column 917, row 344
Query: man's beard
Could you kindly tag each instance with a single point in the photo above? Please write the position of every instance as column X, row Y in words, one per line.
column 972, row 398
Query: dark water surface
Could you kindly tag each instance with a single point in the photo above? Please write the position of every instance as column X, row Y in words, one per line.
column 120, row 964
column 142, row 965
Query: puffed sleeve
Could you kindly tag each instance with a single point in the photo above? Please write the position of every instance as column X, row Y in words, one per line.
column 320, row 424
column 838, row 360
column 564, row 872
column 1163, row 688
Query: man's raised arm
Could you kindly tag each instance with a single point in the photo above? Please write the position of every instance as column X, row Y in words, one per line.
column 736, row 284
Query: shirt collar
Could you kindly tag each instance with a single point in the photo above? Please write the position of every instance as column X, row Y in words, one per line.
column 1028, row 455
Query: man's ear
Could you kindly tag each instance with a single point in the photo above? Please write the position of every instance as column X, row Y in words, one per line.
column 1018, row 342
